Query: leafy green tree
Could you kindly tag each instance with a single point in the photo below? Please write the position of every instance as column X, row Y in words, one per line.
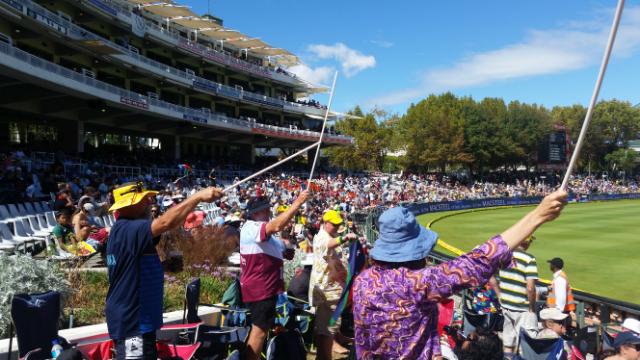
column 482, row 125
column 622, row 160
column 433, row 131
column 372, row 135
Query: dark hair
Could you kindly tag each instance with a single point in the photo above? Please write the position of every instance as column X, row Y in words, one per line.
column 411, row 265
column 62, row 212
column 486, row 345
column 607, row 352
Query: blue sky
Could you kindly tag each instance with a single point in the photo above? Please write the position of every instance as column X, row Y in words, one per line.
column 393, row 53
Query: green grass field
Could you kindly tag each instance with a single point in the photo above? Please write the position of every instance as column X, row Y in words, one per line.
column 599, row 242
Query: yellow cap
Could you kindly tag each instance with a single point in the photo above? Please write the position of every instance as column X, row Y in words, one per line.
column 333, row 217
column 130, row 194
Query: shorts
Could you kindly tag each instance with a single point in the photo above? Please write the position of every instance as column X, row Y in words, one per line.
column 99, row 235
column 324, row 313
column 137, row 347
column 514, row 320
column 263, row 312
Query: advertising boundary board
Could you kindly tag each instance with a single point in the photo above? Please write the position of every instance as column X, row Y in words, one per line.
column 434, row 207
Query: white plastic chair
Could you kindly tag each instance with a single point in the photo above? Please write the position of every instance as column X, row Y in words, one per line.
column 99, row 221
column 13, row 210
column 38, row 208
column 30, row 209
column 22, row 210
column 9, row 237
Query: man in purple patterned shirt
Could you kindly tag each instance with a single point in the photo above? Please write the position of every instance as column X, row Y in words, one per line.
column 396, row 300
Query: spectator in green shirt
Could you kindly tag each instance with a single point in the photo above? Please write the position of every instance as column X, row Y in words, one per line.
column 63, row 231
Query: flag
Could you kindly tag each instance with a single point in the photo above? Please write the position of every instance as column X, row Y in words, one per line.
column 187, row 169
column 357, row 262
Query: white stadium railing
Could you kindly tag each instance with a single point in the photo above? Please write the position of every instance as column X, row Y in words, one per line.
column 196, row 115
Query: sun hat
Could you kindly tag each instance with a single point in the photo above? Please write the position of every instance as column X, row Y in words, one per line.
column 552, row 314
column 402, row 238
column 632, row 324
column 167, row 202
column 85, row 198
column 129, row 194
column 333, row 217
column 194, row 219
column 257, row 203
column 625, row 338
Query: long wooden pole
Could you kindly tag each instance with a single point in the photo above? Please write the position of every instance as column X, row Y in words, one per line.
column 324, row 124
column 594, row 97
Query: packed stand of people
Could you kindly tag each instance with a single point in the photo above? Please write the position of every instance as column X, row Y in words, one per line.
column 274, row 215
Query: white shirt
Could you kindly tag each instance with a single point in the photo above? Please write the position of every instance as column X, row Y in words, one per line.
column 560, row 286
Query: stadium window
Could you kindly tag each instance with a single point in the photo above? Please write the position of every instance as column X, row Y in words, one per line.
column 159, row 58
column 233, row 82
column 209, row 150
column 199, row 149
column 197, row 103
column 141, row 88
column 258, row 89
column 111, row 79
column 189, row 148
column 216, row 151
column 249, row 113
column 173, row 98
column 35, row 51
column 70, row 65
column 181, row 148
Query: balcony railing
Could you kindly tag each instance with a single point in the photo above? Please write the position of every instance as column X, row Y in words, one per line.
column 164, row 68
column 193, row 114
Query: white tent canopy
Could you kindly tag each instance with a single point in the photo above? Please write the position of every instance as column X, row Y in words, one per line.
column 196, row 23
column 248, row 43
column 168, row 10
column 271, row 51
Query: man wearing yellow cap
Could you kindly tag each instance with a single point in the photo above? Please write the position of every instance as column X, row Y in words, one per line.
column 136, row 278
column 328, row 278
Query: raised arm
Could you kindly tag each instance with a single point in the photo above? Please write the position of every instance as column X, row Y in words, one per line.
column 280, row 222
column 478, row 266
column 178, row 214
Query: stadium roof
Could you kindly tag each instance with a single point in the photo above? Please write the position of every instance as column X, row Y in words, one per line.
column 271, row 51
column 168, row 10
column 248, row 43
column 223, row 34
column 196, row 23
column 147, row 2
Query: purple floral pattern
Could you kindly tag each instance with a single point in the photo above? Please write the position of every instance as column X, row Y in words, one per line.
column 396, row 312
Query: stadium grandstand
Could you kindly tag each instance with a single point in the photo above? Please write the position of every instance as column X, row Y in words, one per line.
column 84, row 74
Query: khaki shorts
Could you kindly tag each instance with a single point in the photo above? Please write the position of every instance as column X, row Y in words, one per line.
column 513, row 322
column 324, row 313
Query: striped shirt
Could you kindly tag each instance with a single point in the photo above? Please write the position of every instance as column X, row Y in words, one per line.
column 513, row 282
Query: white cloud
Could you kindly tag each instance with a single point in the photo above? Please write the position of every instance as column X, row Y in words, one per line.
column 382, row 43
column 319, row 75
column 576, row 46
column 352, row 61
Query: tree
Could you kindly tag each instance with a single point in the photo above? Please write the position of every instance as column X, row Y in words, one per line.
column 372, row 135
column 433, row 132
column 528, row 125
column 622, row 160
column 481, row 126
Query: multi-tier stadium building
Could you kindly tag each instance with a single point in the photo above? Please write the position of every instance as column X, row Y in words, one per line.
column 156, row 73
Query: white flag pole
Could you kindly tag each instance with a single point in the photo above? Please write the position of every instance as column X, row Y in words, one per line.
column 326, row 115
column 594, row 97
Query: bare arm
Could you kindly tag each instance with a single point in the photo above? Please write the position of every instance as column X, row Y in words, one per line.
column 279, row 223
column 333, row 243
column 496, row 287
column 548, row 210
column 531, row 294
column 177, row 215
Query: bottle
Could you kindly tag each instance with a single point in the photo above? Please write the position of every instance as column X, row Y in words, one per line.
column 56, row 349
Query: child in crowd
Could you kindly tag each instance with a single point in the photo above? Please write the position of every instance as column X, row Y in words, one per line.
column 64, row 232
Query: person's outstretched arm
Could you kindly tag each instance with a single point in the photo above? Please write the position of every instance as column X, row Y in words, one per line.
column 548, row 210
column 280, row 222
column 477, row 267
column 178, row 214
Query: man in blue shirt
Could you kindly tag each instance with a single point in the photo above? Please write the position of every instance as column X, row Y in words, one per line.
column 136, row 276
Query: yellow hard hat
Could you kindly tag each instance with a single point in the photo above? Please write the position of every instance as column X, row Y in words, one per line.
column 129, row 194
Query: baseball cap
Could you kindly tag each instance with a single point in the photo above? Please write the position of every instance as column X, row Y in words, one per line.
column 257, row 203
column 624, row 338
column 557, row 262
column 552, row 314
column 333, row 217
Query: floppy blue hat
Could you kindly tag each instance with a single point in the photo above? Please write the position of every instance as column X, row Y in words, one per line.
column 402, row 238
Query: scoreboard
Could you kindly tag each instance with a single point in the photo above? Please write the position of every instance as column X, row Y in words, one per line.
column 553, row 154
